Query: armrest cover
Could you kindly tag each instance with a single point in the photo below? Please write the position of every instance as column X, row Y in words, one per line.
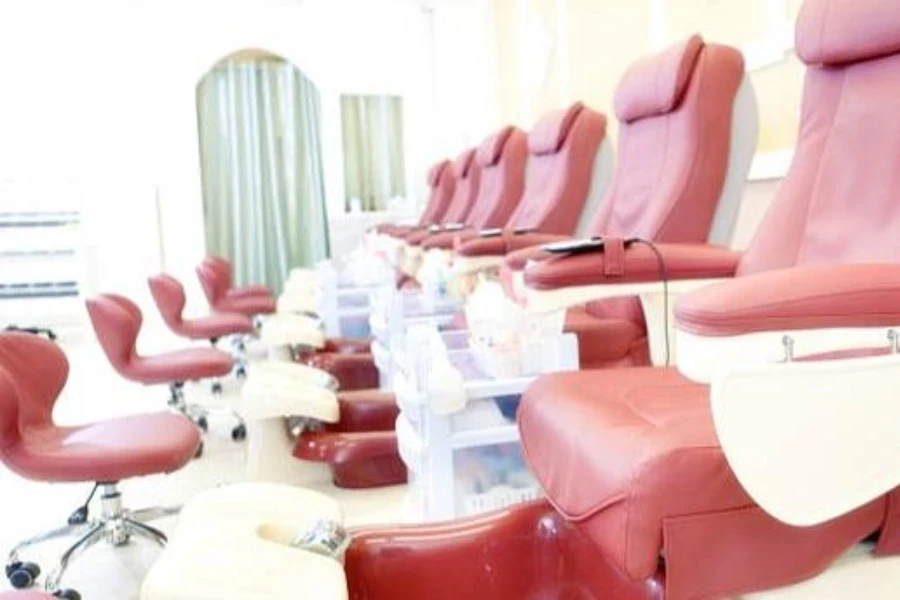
column 517, row 259
column 815, row 297
column 640, row 265
column 504, row 244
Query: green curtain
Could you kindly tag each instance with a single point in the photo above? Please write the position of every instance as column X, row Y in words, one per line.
column 261, row 160
column 372, row 129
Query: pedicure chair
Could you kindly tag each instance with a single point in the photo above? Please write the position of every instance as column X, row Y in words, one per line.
column 695, row 197
column 764, row 466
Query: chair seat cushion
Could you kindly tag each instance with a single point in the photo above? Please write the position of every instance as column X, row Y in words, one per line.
column 110, row 450
column 247, row 305
column 216, row 325
column 620, row 451
column 180, row 365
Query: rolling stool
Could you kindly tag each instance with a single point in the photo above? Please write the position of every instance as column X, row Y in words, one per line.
column 117, row 323
column 33, row 371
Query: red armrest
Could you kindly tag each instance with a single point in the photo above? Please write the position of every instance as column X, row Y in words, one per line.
column 517, row 259
column 816, row 297
column 639, row 264
column 503, row 244
column 447, row 239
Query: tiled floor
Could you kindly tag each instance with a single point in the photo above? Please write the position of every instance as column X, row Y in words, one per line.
column 94, row 391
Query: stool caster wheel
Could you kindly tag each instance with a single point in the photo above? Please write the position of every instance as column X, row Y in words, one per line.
column 22, row 575
column 216, row 388
column 203, row 424
column 240, row 372
column 239, row 433
column 67, row 594
column 199, row 451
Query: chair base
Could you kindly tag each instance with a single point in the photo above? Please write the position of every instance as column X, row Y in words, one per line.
column 115, row 525
column 199, row 414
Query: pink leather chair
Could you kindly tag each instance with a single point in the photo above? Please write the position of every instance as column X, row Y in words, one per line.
column 632, row 458
column 677, row 154
column 215, row 279
column 500, row 159
column 33, row 372
column 117, row 324
column 441, row 185
column 170, row 299
column 467, row 174
column 224, row 266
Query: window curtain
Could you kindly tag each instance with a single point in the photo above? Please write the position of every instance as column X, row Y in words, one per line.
column 373, row 151
column 260, row 153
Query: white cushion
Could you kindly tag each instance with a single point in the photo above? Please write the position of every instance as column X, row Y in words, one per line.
column 231, row 542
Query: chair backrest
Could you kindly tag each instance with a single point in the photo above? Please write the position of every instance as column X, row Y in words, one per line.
column 840, row 200
column 169, row 297
column 677, row 153
column 223, row 266
column 33, row 371
column 441, row 184
column 212, row 281
column 563, row 150
column 501, row 158
column 468, row 176
column 117, row 323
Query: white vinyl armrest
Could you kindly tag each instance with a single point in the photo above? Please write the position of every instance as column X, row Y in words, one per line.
column 467, row 265
column 700, row 357
column 653, row 300
column 811, row 441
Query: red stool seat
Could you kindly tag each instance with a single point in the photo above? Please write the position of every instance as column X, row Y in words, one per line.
column 249, row 305
column 110, row 450
column 26, row 596
column 180, row 365
column 117, row 322
column 170, row 299
column 215, row 326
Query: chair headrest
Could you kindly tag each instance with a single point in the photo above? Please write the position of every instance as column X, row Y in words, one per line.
column 833, row 32
column 550, row 132
column 463, row 163
column 655, row 85
column 491, row 149
column 435, row 172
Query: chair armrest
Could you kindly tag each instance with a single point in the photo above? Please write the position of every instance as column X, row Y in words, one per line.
column 768, row 317
column 517, row 259
column 482, row 253
column 817, row 297
column 571, row 280
column 446, row 240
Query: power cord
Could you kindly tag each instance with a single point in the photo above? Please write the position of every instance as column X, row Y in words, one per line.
column 664, row 275
column 80, row 515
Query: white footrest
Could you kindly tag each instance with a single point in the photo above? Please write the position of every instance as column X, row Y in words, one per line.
column 235, row 542
column 282, row 389
column 285, row 329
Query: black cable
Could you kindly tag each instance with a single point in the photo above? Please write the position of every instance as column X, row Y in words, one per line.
column 663, row 274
